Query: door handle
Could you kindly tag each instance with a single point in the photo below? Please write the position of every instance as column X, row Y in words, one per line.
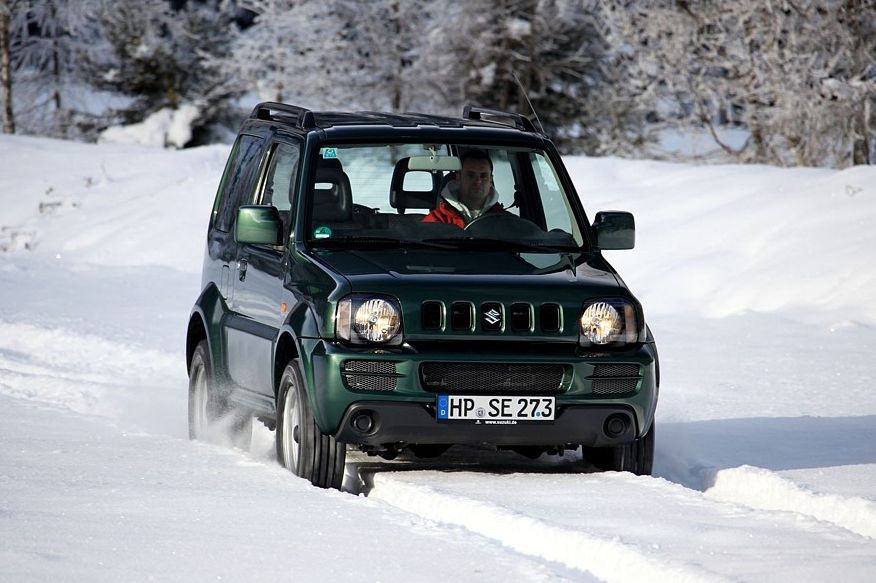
column 241, row 269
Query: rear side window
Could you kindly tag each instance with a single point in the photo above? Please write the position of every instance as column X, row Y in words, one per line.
column 238, row 180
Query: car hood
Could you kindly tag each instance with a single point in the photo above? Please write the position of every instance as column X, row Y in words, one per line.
column 482, row 280
column 367, row 267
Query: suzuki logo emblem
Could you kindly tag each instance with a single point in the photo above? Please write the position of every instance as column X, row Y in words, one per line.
column 493, row 317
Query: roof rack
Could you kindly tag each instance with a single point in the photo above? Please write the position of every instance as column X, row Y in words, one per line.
column 303, row 117
column 517, row 120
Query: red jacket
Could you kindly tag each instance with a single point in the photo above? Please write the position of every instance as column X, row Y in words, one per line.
column 445, row 213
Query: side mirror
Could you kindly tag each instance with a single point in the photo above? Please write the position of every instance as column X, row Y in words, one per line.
column 258, row 225
column 615, row 230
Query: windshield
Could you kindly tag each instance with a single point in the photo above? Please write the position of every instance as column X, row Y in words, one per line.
column 440, row 195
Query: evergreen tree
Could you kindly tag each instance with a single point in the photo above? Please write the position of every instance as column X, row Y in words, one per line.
column 46, row 38
column 554, row 48
column 289, row 53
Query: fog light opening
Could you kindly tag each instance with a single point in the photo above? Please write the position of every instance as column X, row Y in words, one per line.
column 363, row 422
column 616, row 425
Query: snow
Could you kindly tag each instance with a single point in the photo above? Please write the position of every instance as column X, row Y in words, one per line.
column 755, row 281
column 165, row 127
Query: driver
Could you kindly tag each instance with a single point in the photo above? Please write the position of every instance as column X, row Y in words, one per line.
column 470, row 195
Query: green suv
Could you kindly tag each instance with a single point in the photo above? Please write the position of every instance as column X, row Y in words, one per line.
column 408, row 281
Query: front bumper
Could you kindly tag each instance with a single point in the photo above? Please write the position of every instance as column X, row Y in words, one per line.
column 415, row 423
column 405, row 414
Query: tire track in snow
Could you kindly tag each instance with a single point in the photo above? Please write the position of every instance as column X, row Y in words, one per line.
column 621, row 527
column 609, row 559
column 765, row 490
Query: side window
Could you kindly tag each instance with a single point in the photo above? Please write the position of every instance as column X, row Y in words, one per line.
column 503, row 179
column 280, row 181
column 558, row 212
column 237, row 182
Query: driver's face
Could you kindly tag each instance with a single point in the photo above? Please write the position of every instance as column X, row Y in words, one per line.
column 475, row 180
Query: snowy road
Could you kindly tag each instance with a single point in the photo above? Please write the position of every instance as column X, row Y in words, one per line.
column 765, row 466
column 125, row 495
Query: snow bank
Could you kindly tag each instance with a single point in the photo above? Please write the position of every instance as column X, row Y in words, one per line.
column 723, row 240
column 164, row 128
column 119, row 205
column 760, row 488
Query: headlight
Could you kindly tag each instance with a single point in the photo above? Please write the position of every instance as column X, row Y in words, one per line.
column 609, row 321
column 369, row 319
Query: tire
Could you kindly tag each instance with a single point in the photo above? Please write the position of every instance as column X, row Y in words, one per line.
column 210, row 416
column 301, row 447
column 636, row 457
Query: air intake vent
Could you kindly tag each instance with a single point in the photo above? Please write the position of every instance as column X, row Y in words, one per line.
column 432, row 316
column 521, row 317
column 462, row 316
column 550, row 316
column 615, row 379
column 495, row 378
column 369, row 375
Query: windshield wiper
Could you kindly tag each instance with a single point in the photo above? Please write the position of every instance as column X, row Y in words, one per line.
column 503, row 245
column 385, row 242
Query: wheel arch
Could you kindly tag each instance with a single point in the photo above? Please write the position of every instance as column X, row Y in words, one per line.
column 298, row 339
column 205, row 324
column 196, row 333
column 287, row 349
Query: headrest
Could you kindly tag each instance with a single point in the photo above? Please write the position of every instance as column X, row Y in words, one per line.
column 419, row 191
column 332, row 163
column 332, row 196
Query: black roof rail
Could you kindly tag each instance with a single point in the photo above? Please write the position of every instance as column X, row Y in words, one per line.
column 519, row 121
column 303, row 117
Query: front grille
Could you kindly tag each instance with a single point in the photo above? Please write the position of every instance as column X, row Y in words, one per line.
column 473, row 377
column 432, row 316
column 369, row 375
column 551, row 317
column 491, row 317
column 462, row 316
column 615, row 379
column 521, row 317
column 381, row 367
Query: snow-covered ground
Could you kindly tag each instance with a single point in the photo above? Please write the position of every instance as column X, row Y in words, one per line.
column 757, row 281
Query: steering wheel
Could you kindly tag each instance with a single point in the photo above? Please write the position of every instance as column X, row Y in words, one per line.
column 503, row 222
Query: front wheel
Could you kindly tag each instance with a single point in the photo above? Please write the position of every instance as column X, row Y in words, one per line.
column 636, row 457
column 301, row 447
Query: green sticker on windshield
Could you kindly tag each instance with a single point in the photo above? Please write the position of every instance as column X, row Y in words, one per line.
column 322, row 233
column 328, row 153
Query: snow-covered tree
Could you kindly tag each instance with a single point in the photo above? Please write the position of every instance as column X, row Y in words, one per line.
column 6, row 69
column 46, row 38
column 554, row 47
column 157, row 56
column 798, row 76
column 289, row 53
column 381, row 54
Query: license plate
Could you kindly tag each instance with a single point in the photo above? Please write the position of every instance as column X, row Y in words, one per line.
column 495, row 410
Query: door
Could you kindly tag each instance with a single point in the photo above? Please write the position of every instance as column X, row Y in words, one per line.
column 260, row 270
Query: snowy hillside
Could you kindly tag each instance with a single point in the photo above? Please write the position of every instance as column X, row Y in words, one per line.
column 757, row 282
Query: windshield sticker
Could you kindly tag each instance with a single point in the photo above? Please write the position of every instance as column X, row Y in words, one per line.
column 327, row 153
column 322, row 233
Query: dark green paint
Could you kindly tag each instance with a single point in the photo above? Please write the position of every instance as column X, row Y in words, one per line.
column 249, row 277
